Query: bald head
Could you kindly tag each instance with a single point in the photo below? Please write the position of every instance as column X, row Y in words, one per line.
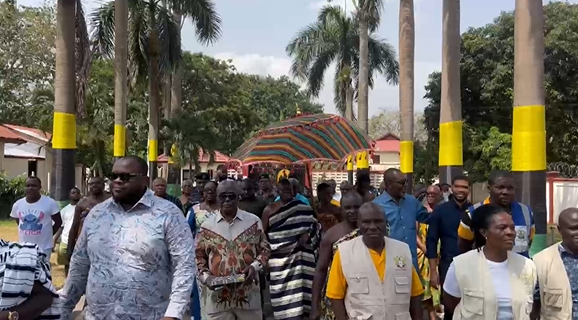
column 295, row 185
column 228, row 186
column 568, row 228
column 372, row 222
column 160, row 187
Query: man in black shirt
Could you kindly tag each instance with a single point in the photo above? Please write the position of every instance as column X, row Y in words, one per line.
column 443, row 227
column 249, row 201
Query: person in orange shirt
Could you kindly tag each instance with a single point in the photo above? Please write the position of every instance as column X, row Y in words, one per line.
column 372, row 276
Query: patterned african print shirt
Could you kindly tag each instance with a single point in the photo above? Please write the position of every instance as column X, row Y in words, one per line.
column 227, row 248
column 134, row 264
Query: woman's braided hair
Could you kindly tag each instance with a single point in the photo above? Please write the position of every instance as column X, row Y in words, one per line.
column 481, row 220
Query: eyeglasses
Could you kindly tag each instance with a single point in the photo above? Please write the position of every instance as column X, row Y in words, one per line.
column 227, row 196
column 124, row 177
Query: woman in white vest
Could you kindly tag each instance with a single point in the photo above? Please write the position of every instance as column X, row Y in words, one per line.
column 491, row 282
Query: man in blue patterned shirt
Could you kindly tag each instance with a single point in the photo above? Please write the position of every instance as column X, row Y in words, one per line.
column 556, row 295
column 134, row 257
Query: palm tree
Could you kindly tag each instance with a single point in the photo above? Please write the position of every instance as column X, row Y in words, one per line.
column 369, row 13
column 450, row 151
column 154, row 47
column 406, row 86
column 72, row 68
column 529, row 123
column 334, row 38
column 121, row 73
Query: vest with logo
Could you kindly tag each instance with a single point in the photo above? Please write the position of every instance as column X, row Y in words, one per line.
column 522, row 216
column 367, row 296
column 555, row 291
column 478, row 301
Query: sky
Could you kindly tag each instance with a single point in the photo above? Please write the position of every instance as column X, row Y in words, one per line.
column 255, row 33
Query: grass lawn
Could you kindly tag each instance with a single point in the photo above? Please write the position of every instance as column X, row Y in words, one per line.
column 9, row 231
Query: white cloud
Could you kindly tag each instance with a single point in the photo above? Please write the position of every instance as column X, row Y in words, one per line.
column 383, row 95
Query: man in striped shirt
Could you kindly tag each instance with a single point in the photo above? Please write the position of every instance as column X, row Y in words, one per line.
column 26, row 290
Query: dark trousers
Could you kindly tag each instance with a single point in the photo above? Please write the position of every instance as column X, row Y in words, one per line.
column 443, row 270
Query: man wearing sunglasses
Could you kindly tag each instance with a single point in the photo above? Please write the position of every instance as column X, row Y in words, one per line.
column 237, row 236
column 402, row 210
column 133, row 254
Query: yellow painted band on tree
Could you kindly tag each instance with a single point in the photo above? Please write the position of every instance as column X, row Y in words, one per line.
column 362, row 162
column 153, row 150
column 119, row 140
column 64, row 131
column 174, row 154
column 406, row 156
column 451, row 151
column 349, row 163
column 529, row 138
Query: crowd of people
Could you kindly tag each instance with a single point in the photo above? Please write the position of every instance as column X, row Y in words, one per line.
column 212, row 253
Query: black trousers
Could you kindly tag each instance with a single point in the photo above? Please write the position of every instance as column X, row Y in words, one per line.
column 443, row 270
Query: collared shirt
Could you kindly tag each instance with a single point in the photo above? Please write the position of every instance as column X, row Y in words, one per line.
column 570, row 263
column 523, row 220
column 176, row 201
column 135, row 263
column 228, row 248
column 402, row 217
column 443, row 227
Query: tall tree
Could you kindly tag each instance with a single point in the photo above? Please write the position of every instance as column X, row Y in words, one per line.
column 529, row 115
column 154, row 49
column 69, row 84
column 369, row 15
column 450, row 146
column 406, row 86
column 120, row 75
column 334, row 38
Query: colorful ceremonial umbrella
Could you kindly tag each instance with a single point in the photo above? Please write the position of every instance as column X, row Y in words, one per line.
column 305, row 138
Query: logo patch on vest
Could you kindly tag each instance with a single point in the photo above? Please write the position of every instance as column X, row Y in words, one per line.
column 399, row 262
column 521, row 234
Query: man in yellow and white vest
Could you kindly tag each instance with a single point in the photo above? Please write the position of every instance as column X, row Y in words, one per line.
column 372, row 276
column 556, row 295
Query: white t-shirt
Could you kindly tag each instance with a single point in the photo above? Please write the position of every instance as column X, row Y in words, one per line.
column 67, row 214
column 35, row 221
column 500, row 280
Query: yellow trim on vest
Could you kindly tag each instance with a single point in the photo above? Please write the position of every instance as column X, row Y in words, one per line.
column 362, row 162
column 153, row 150
column 337, row 283
column 406, row 156
column 349, row 163
column 64, row 131
column 529, row 138
column 451, row 151
column 119, row 140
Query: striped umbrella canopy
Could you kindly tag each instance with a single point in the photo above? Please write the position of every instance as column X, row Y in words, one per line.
column 304, row 138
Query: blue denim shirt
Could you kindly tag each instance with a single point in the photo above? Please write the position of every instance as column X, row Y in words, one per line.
column 402, row 219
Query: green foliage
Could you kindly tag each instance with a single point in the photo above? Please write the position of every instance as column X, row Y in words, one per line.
column 10, row 191
column 487, row 71
column 334, row 38
column 491, row 149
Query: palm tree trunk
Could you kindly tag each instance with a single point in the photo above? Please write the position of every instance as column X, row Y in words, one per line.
column 406, row 87
column 64, row 125
column 120, row 83
column 450, row 138
column 349, row 101
column 154, row 101
column 363, row 98
column 174, row 176
column 529, row 123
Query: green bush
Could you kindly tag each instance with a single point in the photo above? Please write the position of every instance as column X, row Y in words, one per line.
column 10, row 191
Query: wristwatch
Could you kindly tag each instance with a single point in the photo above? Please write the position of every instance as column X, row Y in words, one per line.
column 13, row 315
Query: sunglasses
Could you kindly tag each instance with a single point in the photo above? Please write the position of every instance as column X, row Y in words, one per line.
column 124, row 177
column 227, row 196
